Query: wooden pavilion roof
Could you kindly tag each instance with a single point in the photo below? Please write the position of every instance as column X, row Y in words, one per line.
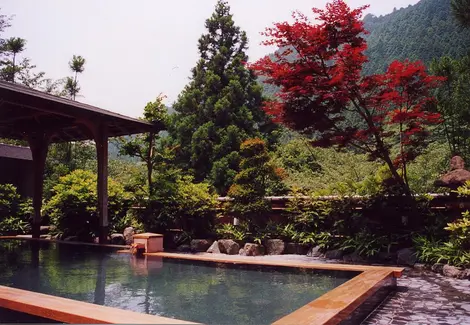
column 24, row 110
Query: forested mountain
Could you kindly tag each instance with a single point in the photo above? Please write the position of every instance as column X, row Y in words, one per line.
column 424, row 31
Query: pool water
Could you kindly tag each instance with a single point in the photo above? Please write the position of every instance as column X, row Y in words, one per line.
column 202, row 292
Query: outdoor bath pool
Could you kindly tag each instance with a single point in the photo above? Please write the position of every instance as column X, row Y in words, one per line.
column 203, row 292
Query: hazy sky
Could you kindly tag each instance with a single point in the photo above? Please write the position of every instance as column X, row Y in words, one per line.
column 138, row 49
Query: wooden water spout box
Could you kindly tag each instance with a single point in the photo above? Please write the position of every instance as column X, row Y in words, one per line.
column 153, row 243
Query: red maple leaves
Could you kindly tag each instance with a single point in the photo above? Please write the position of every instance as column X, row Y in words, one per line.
column 323, row 91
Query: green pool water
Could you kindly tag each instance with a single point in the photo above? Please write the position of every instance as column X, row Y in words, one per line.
column 201, row 292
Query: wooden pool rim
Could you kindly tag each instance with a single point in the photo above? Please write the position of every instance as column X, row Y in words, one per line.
column 332, row 308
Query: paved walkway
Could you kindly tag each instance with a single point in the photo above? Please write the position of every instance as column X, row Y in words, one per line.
column 422, row 297
column 425, row 298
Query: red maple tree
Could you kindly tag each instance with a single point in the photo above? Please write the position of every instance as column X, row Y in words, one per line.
column 324, row 94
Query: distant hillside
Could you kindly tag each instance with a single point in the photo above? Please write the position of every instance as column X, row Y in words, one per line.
column 423, row 31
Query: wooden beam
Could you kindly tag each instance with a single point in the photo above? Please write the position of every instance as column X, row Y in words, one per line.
column 39, row 145
column 100, row 132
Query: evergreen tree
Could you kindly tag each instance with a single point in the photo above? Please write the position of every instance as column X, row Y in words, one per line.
column 221, row 106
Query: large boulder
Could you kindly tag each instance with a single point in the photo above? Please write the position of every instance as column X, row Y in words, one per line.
column 214, row 248
column 118, row 239
column 46, row 229
column 438, row 267
column 253, row 249
column 228, row 246
column 334, row 254
column 456, row 177
column 454, row 272
column 184, row 249
column 128, row 235
column 407, row 256
column 200, row 245
column 354, row 257
column 242, row 252
column 275, row 247
column 295, row 248
column 314, row 252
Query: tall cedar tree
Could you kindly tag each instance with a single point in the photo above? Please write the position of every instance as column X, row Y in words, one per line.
column 221, row 106
column 323, row 89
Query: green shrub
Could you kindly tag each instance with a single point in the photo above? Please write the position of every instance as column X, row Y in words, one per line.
column 15, row 211
column 194, row 207
column 229, row 231
column 183, row 204
column 251, row 184
column 73, row 205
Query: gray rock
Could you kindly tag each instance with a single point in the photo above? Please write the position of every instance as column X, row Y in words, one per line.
column 334, row 254
column 242, row 252
column 466, row 274
column 117, row 239
column 253, row 249
column 314, row 252
column 295, row 248
column 129, row 235
column 228, row 246
column 420, row 267
column 184, row 249
column 386, row 257
column 275, row 247
column 438, row 268
column 354, row 258
column 453, row 272
column 214, row 248
column 46, row 229
column 407, row 256
column 200, row 245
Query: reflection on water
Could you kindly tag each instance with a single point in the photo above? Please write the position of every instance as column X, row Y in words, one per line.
column 185, row 290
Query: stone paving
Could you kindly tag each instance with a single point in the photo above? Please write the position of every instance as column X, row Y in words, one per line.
column 422, row 297
column 425, row 298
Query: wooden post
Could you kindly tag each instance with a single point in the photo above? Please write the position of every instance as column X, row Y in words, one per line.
column 39, row 144
column 101, row 140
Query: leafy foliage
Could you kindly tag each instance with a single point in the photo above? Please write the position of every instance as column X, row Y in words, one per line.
column 323, row 89
column 73, row 209
column 229, row 231
column 453, row 102
column 14, row 211
column 149, row 148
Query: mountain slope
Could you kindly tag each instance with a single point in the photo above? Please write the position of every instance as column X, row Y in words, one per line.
column 424, row 31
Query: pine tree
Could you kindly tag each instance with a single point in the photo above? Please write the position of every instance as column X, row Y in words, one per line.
column 221, row 106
